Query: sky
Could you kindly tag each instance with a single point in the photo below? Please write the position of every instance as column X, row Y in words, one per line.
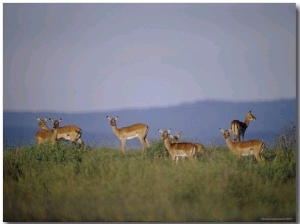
column 97, row 56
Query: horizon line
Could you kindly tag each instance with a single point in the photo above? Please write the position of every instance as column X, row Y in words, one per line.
column 144, row 108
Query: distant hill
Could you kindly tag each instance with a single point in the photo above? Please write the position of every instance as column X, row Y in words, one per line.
column 199, row 121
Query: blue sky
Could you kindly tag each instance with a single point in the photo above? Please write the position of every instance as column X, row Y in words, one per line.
column 91, row 57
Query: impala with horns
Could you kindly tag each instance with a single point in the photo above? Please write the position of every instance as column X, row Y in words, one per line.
column 45, row 136
column 238, row 128
column 139, row 131
column 70, row 132
column 247, row 148
column 176, row 150
column 175, row 139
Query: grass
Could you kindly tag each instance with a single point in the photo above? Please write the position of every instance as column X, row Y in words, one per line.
column 65, row 183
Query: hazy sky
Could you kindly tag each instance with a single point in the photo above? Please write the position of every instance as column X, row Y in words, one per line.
column 87, row 57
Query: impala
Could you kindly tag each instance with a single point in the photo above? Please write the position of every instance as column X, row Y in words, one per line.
column 45, row 136
column 238, row 128
column 200, row 147
column 176, row 150
column 71, row 132
column 139, row 131
column 247, row 148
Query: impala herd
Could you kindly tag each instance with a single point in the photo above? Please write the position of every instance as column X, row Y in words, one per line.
column 175, row 148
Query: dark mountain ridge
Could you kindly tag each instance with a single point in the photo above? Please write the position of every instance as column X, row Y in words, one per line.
column 199, row 121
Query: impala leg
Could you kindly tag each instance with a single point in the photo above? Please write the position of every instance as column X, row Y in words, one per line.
column 79, row 140
column 261, row 157
column 174, row 159
column 142, row 142
column 193, row 156
column 192, row 159
column 262, row 148
column 123, row 145
column 147, row 142
column 258, row 157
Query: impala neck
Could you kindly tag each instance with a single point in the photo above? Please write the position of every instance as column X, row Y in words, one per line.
column 115, row 130
column 46, row 128
column 247, row 121
column 54, row 137
column 228, row 142
column 167, row 143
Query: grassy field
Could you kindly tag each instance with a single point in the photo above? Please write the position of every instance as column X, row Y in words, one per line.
column 65, row 183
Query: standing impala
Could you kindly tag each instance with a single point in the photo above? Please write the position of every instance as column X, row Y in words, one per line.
column 71, row 132
column 177, row 150
column 247, row 148
column 139, row 131
column 238, row 128
column 200, row 147
column 45, row 136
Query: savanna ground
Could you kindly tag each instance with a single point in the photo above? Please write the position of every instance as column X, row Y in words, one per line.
column 66, row 183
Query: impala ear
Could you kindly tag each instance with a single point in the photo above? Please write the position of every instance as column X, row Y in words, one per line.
column 60, row 120
column 116, row 118
column 171, row 136
column 108, row 118
column 169, row 131
column 45, row 119
column 222, row 130
column 179, row 134
column 50, row 119
column 160, row 131
column 38, row 119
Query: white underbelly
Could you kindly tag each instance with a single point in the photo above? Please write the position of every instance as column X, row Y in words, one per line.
column 248, row 153
column 64, row 136
column 181, row 155
column 133, row 136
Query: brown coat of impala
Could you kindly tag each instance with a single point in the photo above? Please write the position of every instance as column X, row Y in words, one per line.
column 175, row 139
column 238, row 128
column 70, row 132
column 176, row 150
column 139, row 131
column 45, row 136
column 247, row 148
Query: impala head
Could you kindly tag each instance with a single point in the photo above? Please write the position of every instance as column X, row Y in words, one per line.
column 55, row 122
column 226, row 133
column 42, row 123
column 176, row 137
column 250, row 116
column 165, row 134
column 113, row 121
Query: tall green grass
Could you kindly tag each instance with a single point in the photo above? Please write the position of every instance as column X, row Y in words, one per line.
column 65, row 183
